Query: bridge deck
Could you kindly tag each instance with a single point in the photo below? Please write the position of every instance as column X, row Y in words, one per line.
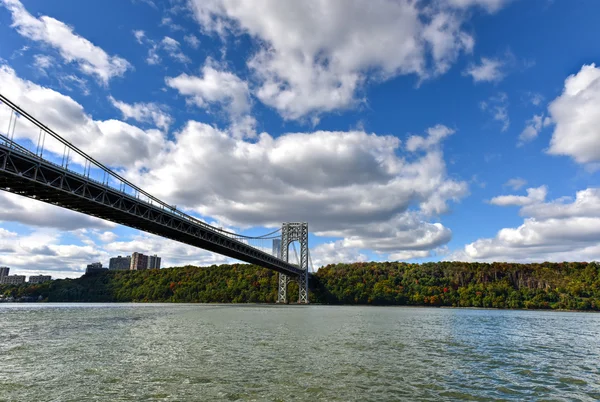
column 26, row 174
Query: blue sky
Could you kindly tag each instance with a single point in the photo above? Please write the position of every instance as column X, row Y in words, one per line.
column 400, row 130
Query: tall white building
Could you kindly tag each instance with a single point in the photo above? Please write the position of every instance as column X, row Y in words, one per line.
column 154, row 262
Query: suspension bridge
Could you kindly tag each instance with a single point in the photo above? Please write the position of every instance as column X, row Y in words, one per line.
column 40, row 164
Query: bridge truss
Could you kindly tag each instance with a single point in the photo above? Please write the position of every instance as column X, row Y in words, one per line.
column 82, row 184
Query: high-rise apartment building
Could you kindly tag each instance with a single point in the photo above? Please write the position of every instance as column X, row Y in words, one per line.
column 13, row 279
column 277, row 248
column 139, row 261
column 4, row 272
column 120, row 263
column 39, row 278
column 154, row 262
column 94, row 268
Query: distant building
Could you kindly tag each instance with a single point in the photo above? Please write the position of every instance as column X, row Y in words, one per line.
column 4, row 272
column 154, row 262
column 95, row 268
column 13, row 279
column 39, row 278
column 277, row 248
column 139, row 262
column 119, row 263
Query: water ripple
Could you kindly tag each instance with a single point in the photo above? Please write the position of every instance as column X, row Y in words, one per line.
column 316, row 353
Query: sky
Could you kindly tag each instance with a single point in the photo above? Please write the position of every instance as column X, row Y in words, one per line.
column 400, row 130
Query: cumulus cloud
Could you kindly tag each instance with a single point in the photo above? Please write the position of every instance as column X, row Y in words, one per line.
column 351, row 185
column 534, row 196
column 91, row 59
column 144, row 113
column 434, row 136
column 559, row 230
column 333, row 253
column 219, row 87
column 314, row 56
column 489, row 70
column 113, row 142
column 43, row 252
column 366, row 189
column 577, row 117
column 107, row 237
column 533, row 127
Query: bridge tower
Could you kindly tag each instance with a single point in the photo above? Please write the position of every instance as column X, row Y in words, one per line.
column 290, row 232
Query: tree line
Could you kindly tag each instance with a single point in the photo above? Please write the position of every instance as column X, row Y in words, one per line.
column 567, row 285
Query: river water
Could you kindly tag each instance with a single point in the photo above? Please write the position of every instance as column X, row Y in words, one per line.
column 127, row 352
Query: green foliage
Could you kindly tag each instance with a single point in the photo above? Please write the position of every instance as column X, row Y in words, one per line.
column 573, row 286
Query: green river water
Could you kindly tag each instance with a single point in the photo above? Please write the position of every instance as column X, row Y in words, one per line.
column 175, row 352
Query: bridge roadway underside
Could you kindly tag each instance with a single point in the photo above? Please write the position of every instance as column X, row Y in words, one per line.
column 30, row 176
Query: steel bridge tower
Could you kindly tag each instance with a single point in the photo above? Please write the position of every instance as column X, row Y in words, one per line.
column 290, row 232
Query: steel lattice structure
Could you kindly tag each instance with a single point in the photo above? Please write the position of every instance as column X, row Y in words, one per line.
column 28, row 174
column 290, row 232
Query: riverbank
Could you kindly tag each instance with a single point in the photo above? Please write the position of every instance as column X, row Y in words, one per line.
column 559, row 286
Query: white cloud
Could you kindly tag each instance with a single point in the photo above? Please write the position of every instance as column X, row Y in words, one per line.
column 334, row 253
column 552, row 231
column 577, row 117
column 489, row 70
column 144, row 112
column 173, row 49
column 516, row 183
column 153, row 57
column 42, row 62
column 534, row 196
column 434, row 136
column 490, row 5
column 68, row 80
column 168, row 21
column 535, row 98
column 219, row 87
column 497, row 106
column 363, row 188
column 91, row 59
column 315, row 56
column 192, row 41
column 40, row 252
column 350, row 185
column 112, row 142
column 107, row 237
column 168, row 45
column 140, row 35
column 533, row 127
column 172, row 253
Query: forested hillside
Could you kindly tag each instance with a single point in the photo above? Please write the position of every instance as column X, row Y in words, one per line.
column 498, row 285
